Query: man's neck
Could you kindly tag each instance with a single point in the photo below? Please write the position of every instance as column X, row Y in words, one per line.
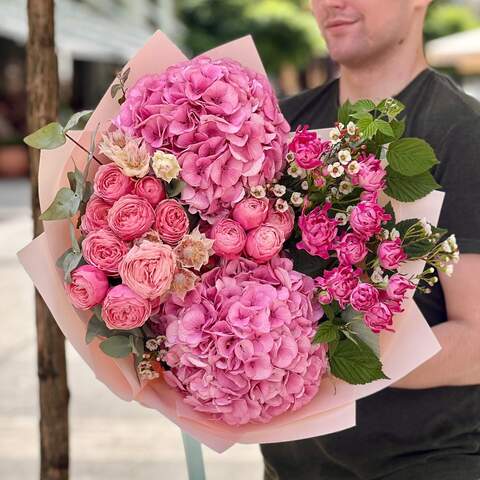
column 382, row 79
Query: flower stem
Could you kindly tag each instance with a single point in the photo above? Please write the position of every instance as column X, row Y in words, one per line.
column 83, row 148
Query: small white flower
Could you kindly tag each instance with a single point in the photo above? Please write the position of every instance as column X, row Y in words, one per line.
column 296, row 199
column 295, row 171
column 258, row 191
column 377, row 275
column 449, row 270
column 344, row 156
column 165, row 165
column 452, row 241
column 341, row 218
column 349, row 209
column 446, row 247
column 335, row 170
column 151, row 344
column 394, row 234
column 351, row 128
column 281, row 205
column 353, row 167
column 427, row 228
column 334, row 191
column 290, row 157
column 279, row 190
column 328, row 199
column 341, row 126
column 385, row 234
column 304, row 185
column 334, row 135
column 345, row 187
column 456, row 256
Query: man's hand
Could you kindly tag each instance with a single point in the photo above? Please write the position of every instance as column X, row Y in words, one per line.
column 458, row 363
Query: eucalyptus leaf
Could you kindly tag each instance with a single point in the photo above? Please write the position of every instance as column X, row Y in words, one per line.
column 355, row 363
column 48, row 137
column 65, row 205
column 96, row 328
column 409, row 188
column 411, row 156
column 175, row 187
column 137, row 345
column 125, row 75
column 115, row 89
column 68, row 262
column 118, row 346
column 76, row 118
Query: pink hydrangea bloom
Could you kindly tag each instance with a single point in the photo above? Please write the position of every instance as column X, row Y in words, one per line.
column 239, row 345
column 220, row 119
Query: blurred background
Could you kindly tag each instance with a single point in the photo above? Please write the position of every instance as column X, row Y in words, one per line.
column 110, row 438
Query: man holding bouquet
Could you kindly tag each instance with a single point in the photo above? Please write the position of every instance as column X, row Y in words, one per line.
column 427, row 425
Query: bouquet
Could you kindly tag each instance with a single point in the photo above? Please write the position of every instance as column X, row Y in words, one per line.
column 221, row 270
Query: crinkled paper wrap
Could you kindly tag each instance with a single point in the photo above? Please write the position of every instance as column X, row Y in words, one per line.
column 333, row 409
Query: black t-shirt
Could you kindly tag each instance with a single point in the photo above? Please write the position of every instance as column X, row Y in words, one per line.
column 401, row 434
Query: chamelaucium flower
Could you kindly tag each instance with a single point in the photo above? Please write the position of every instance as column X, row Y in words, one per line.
column 344, row 156
column 335, row 170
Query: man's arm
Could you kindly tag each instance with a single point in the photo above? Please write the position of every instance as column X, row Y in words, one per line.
column 458, row 363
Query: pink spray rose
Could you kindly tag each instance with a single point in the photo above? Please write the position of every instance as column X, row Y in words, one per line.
column 123, row 309
column 171, row 221
column 308, row 148
column 284, row 221
column 130, row 217
column 363, row 297
column 151, row 189
column 111, row 183
column 340, row 282
column 240, row 344
column 378, row 318
column 390, row 254
column 318, row 231
column 398, row 286
column 88, row 287
column 95, row 216
column 148, row 269
column 229, row 238
column 263, row 243
column 366, row 219
column 351, row 249
column 251, row 212
column 371, row 176
column 104, row 250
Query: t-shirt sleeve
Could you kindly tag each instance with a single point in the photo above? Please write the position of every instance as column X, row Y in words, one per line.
column 459, row 175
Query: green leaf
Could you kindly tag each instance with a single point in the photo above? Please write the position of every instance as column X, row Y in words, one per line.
column 356, row 364
column 418, row 249
column 68, row 262
column 384, row 127
column 364, row 105
column 65, row 205
column 137, row 345
column 411, row 156
column 96, row 328
column 364, row 116
column 370, row 130
column 409, row 189
column 74, row 120
column 48, row 137
column 327, row 332
column 88, row 192
column 391, row 107
column 114, row 90
column 73, row 238
column 405, row 225
column 398, row 127
column 344, row 112
column 329, row 311
column 77, row 182
column 175, row 187
column 365, row 334
column 125, row 75
column 118, row 346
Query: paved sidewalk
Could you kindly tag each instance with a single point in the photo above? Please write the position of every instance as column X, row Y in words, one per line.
column 109, row 438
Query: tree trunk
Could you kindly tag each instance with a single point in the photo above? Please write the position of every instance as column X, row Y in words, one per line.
column 42, row 88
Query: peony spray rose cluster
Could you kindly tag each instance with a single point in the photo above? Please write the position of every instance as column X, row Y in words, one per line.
column 222, row 122
column 240, row 344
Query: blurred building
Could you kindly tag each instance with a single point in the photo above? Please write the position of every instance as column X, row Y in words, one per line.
column 94, row 40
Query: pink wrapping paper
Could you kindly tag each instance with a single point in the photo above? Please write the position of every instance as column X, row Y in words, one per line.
column 333, row 409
